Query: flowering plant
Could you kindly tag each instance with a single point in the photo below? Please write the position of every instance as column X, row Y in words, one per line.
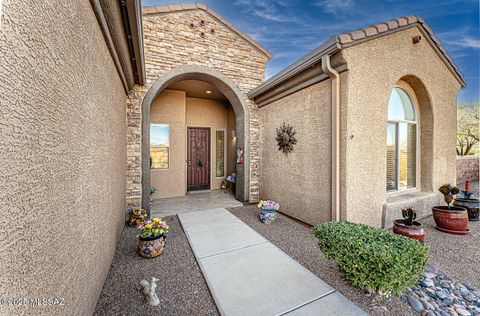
column 268, row 205
column 137, row 217
column 153, row 228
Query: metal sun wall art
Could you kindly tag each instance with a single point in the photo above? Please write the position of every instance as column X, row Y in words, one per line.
column 286, row 138
column 202, row 27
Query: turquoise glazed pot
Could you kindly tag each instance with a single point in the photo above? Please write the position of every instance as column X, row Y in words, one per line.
column 268, row 216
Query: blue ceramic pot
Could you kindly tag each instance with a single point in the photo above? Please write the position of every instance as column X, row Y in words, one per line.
column 268, row 216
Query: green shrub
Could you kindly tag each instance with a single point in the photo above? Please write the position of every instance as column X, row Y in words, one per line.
column 372, row 258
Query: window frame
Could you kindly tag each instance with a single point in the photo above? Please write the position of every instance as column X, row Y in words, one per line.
column 169, row 144
column 224, row 130
column 416, row 122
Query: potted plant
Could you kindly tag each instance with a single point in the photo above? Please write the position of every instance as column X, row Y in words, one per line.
column 152, row 190
column 268, row 211
column 469, row 202
column 450, row 219
column 153, row 234
column 407, row 226
column 137, row 217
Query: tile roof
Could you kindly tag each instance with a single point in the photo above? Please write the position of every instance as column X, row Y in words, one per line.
column 347, row 39
column 394, row 24
column 147, row 10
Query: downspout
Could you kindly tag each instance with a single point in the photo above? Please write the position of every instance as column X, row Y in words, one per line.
column 335, row 109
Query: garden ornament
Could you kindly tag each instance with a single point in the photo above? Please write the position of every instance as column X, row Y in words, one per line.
column 149, row 291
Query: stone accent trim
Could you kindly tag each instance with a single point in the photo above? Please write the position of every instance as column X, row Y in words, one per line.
column 467, row 166
column 171, row 44
column 192, row 6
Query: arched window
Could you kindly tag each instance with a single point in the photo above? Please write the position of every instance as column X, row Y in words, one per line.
column 401, row 141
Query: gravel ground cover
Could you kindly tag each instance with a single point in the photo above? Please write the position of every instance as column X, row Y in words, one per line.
column 456, row 255
column 182, row 289
column 296, row 239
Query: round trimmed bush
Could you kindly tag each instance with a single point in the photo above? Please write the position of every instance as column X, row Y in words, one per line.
column 373, row 258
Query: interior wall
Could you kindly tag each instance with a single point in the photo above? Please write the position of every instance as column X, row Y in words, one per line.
column 174, row 108
column 169, row 108
column 63, row 161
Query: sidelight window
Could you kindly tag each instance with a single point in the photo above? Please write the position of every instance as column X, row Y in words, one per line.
column 220, row 153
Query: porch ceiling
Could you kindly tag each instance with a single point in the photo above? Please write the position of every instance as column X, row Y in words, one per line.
column 198, row 89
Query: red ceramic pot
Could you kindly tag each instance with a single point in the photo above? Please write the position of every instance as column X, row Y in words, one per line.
column 415, row 231
column 453, row 220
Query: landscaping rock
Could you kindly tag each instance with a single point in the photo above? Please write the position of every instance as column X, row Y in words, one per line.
column 437, row 294
column 414, row 303
column 462, row 312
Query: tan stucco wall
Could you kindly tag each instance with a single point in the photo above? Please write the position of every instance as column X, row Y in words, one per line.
column 174, row 108
column 170, row 108
column 171, row 43
column 374, row 69
column 63, row 161
column 301, row 180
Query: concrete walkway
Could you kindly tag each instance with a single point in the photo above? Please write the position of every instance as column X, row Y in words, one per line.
column 248, row 275
column 193, row 202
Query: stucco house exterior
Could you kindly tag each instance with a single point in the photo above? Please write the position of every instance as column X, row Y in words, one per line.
column 336, row 98
column 126, row 98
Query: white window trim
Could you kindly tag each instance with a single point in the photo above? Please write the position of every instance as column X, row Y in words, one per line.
column 224, row 130
column 169, row 145
column 397, row 144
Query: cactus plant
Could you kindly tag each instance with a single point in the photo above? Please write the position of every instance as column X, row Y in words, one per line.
column 448, row 192
column 409, row 215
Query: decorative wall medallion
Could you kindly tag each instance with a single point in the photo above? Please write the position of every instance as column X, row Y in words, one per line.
column 202, row 27
column 286, row 138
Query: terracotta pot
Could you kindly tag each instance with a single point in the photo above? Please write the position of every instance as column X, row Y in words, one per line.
column 472, row 206
column 452, row 220
column 415, row 231
column 151, row 247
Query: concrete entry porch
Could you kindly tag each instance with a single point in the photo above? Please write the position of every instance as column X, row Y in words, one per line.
column 193, row 201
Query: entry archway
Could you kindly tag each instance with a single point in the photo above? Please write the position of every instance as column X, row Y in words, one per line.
column 234, row 96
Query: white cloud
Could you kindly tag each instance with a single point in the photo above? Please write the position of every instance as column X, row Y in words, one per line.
column 464, row 42
column 335, row 6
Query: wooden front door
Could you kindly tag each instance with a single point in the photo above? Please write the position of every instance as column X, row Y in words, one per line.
column 198, row 158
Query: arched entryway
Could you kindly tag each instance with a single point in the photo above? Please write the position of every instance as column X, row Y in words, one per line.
column 237, row 101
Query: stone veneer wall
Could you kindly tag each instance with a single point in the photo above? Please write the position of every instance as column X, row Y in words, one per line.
column 169, row 43
column 63, row 157
column 467, row 166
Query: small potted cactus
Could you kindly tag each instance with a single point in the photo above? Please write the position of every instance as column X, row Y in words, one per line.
column 468, row 201
column 450, row 219
column 408, row 226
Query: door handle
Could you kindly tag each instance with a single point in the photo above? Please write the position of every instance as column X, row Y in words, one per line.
column 189, row 163
column 200, row 163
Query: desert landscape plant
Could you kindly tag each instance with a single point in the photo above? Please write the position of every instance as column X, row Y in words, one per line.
column 371, row 258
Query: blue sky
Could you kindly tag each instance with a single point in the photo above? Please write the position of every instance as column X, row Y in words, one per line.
column 290, row 29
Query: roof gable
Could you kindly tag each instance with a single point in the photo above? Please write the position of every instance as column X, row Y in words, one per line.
column 348, row 39
column 359, row 36
column 146, row 10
